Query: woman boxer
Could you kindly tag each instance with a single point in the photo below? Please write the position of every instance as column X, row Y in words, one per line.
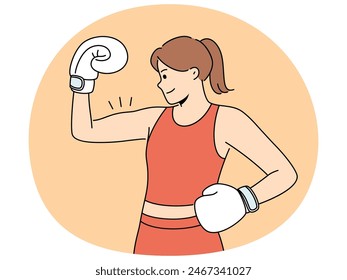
column 185, row 207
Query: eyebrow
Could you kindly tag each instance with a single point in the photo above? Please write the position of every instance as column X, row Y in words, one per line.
column 163, row 70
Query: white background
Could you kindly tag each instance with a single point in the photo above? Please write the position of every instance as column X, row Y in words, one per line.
column 311, row 243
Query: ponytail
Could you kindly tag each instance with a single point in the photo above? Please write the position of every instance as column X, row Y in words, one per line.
column 183, row 52
column 217, row 79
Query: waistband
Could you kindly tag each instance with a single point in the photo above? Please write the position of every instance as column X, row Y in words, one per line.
column 170, row 223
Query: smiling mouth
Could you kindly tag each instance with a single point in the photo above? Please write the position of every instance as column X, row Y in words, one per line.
column 170, row 91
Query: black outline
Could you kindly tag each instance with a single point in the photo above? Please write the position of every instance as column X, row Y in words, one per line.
column 168, row 92
column 94, row 120
column 173, row 219
column 183, row 100
column 214, row 139
column 149, row 131
column 191, row 124
column 168, row 205
column 213, row 194
column 222, row 60
column 176, row 205
column 198, row 225
column 274, row 171
column 80, row 79
column 109, row 102
column 96, row 57
column 246, row 202
column 90, row 113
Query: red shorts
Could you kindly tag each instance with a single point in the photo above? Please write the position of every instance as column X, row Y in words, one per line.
column 157, row 236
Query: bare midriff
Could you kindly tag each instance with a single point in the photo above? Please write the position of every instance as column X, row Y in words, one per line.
column 168, row 211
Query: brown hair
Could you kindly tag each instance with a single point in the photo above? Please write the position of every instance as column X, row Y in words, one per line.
column 183, row 53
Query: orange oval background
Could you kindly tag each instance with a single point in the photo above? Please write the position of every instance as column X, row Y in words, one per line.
column 96, row 191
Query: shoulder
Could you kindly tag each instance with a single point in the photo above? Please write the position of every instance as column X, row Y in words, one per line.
column 234, row 125
column 231, row 123
column 151, row 115
column 230, row 116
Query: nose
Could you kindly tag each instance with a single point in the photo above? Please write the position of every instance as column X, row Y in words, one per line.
column 159, row 85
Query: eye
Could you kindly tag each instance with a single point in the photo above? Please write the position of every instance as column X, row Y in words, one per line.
column 164, row 76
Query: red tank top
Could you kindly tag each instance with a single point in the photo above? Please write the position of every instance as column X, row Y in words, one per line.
column 182, row 160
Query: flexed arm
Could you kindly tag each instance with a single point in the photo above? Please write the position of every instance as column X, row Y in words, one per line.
column 103, row 55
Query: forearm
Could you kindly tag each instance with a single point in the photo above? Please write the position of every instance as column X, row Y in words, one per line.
column 274, row 184
column 81, row 119
column 101, row 54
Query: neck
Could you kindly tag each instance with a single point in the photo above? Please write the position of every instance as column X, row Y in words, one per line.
column 193, row 107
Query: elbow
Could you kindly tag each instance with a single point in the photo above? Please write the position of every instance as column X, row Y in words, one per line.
column 81, row 135
column 77, row 136
column 290, row 176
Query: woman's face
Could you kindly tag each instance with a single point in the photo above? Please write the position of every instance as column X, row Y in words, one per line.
column 176, row 85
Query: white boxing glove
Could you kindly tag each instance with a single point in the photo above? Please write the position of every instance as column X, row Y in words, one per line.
column 96, row 55
column 222, row 206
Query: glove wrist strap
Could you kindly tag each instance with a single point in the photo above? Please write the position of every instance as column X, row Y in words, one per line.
column 249, row 198
column 80, row 85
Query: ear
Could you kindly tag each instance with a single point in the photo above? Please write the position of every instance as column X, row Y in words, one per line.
column 195, row 72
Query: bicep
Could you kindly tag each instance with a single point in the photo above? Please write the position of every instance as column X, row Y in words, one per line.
column 126, row 126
